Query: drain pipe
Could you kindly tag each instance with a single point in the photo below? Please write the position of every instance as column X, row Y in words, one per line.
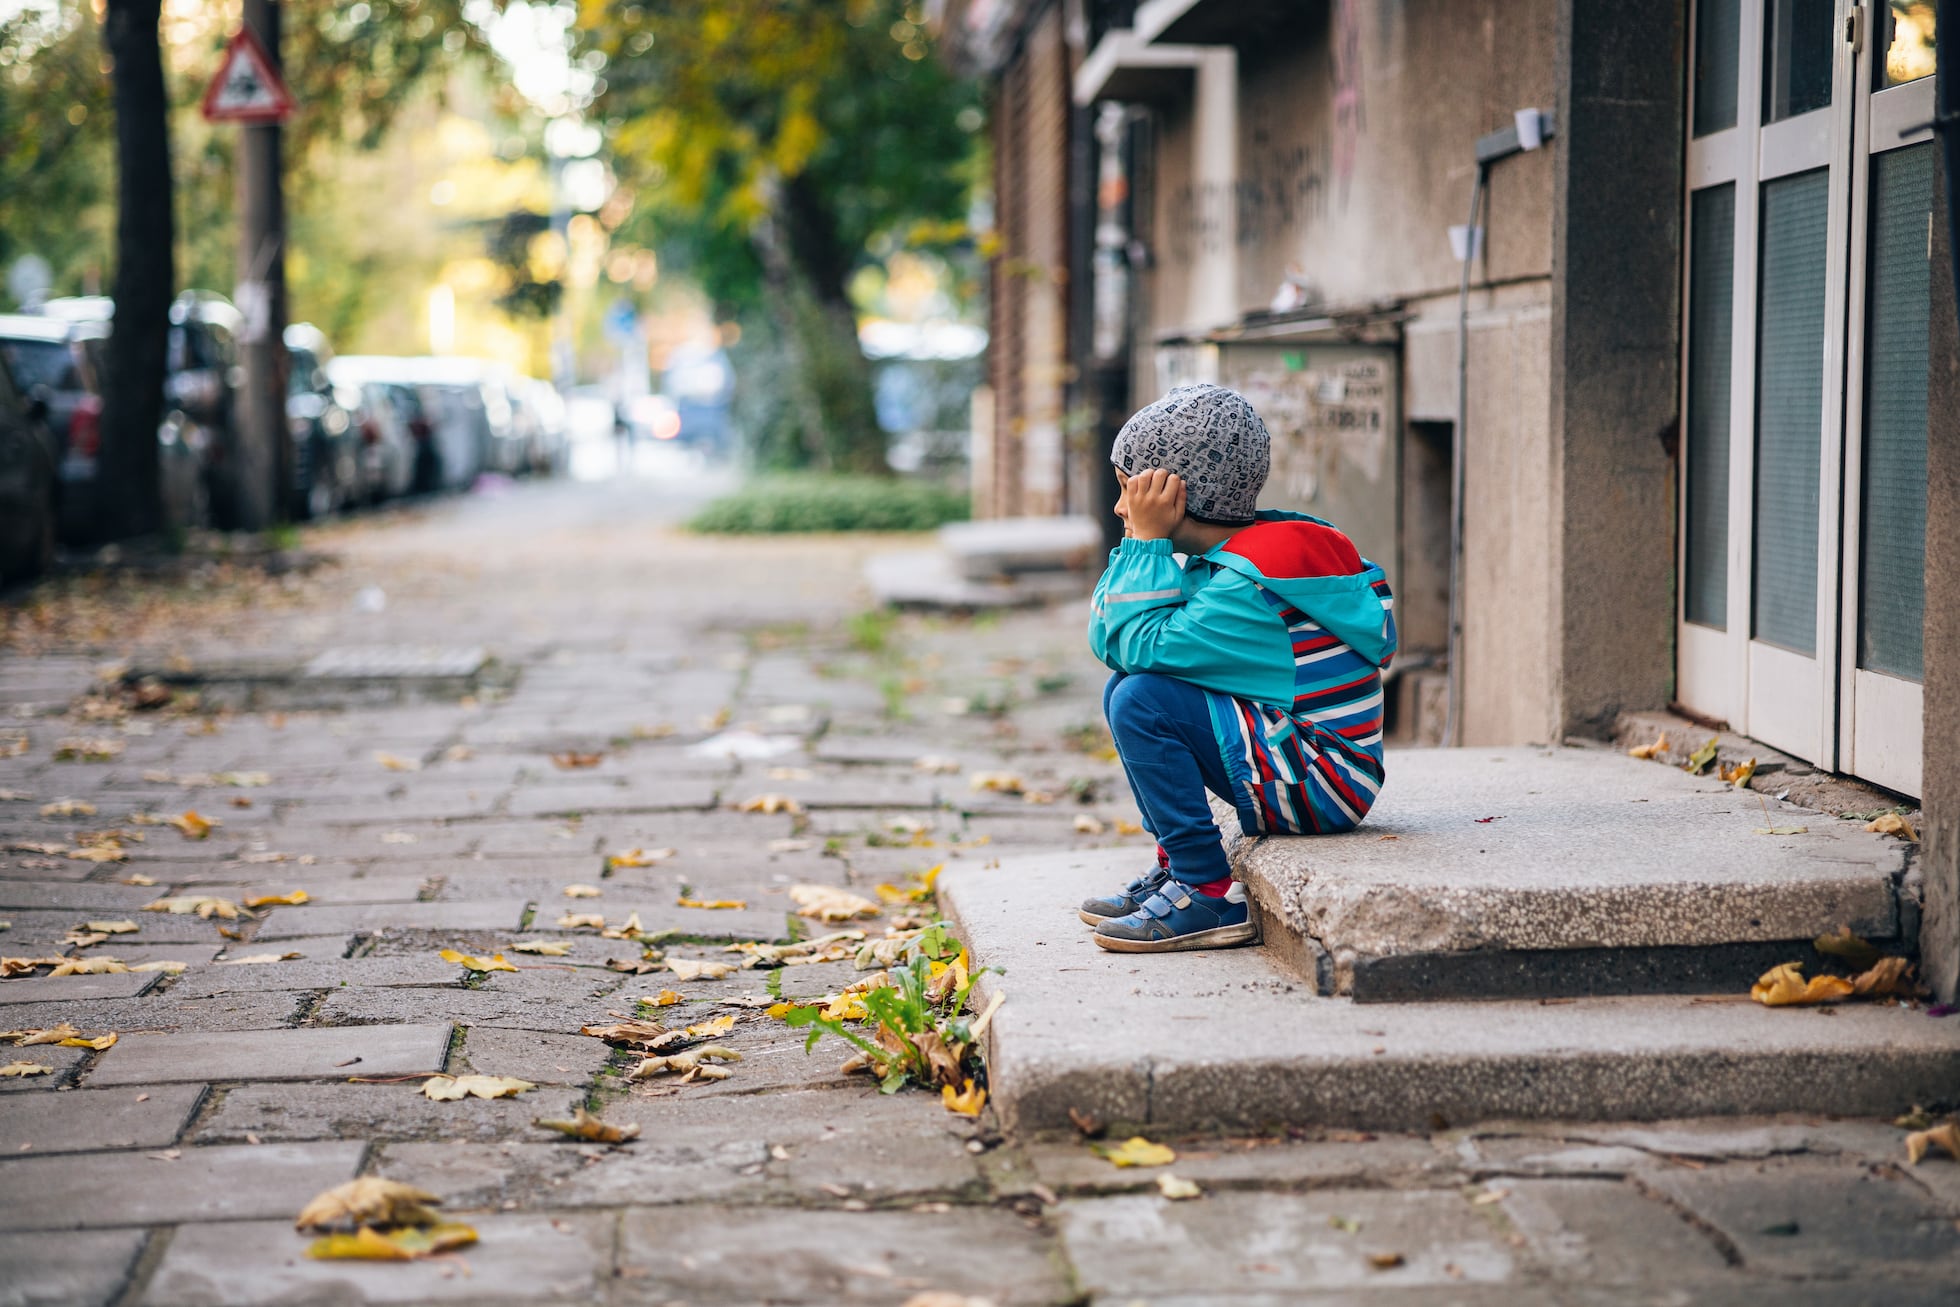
column 1532, row 128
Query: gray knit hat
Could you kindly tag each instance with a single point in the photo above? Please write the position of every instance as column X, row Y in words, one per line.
column 1209, row 436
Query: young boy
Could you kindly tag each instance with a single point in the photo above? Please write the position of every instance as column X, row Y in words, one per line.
column 1252, row 671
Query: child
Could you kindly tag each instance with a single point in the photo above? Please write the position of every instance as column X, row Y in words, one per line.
column 1252, row 671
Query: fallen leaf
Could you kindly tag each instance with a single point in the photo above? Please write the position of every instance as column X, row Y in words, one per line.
column 542, row 947
column 966, row 1101
column 708, row 1029
column 770, row 803
column 369, row 1200
column 1892, row 823
column 582, row 921
column 1886, row 978
column 448, row 1089
column 68, row 808
column 1698, row 760
column 1489, row 1196
column 1785, row 986
column 88, row 967
column 1175, row 1189
column 1738, row 775
column 996, row 782
column 590, row 1128
column 1947, row 1137
column 138, row 878
column 638, row 858
column 1855, row 951
column 112, row 927
column 256, row 959
column 172, row 966
column 1138, row 1151
column 571, row 760
column 99, row 853
column 1385, row 1261
column 193, row 826
column 40, row 1035
column 1087, row 824
column 711, row 905
column 688, row 969
column 933, row 764
column 202, row 905
column 1782, row 830
column 666, row 998
column 1345, row 1224
column 653, row 961
column 92, row 750
column 98, row 1042
column 646, row 1035
column 628, row 929
column 37, row 846
column 694, row 1064
column 13, row 1069
column 393, row 763
column 410, row 1245
column 472, row 963
column 1649, row 750
column 25, row 966
column 828, row 903
column 790, row 773
column 582, row 891
column 291, row 900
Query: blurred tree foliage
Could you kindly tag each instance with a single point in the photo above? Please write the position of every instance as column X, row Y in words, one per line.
column 769, row 144
column 57, row 143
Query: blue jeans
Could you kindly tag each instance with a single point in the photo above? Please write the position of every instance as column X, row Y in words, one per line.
column 1162, row 729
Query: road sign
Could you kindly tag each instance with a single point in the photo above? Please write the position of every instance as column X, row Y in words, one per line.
column 247, row 89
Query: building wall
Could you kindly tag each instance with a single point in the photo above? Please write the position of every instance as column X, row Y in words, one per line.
column 1939, row 941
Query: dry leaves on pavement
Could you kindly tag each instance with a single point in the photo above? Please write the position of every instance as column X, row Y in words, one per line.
column 1738, row 775
column 1137, row 1151
column 542, row 947
column 694, row 1064
column 572, row 760
column 665, row 998
column 371, row 1245
column 645, row 1036
column 203, row 905
column 369, row 1200
column 393, row 763
column 191, row 825
column 582, row 921
column 582, row 891
column 591, row 1129
column 450, row 1089
column 711, row 905
column 1946, row 1137
column 964, row 1102
column 1892, row 823
column 934, row 765
column 292, row 900
column 256, row 959
column 713, row 1026
column 88, row 967
column 1176, row 1189
column 1649, row 750
column 829, row 903
column 62, row 1036
column 770, row 804
column 1785, row 986
column 631, row 928
column 14, row 1070
column 630, row 858
column 472, row 963
column 689, row 969
column 1699, row 760
column 68, row 808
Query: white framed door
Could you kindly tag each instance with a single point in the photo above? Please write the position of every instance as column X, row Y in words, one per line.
column 1797, row 584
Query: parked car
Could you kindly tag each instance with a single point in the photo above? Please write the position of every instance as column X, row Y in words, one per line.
column 541, row 421
column 392, row 432
column 48, row 360
column 29, row 485
column 327, row 472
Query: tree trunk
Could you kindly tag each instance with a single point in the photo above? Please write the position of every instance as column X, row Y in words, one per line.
column 131, row 496
column 825, row 326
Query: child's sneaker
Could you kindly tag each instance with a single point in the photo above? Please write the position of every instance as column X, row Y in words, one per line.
column 1177, row 917
column 1125, row 901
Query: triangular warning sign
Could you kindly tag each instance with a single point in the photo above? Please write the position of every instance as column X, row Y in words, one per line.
column 246, row 89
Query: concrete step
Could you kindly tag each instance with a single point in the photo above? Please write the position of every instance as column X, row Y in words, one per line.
column 1231, row 1040
column 928, row 579
column 1560, row 872
column 1009, row 546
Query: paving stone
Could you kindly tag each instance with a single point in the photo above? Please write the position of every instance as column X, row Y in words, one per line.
column 540, row 1258
column 80, row 1269
column 329, row 891
column 543, row 1059
column 291, row 923
column 348, row 1111
column 1138, row 1245
column 554, row 1011
column 785, row 1256
column 131, row 950
column 67, row 896
column 63, row 1060
column 90, row 1120
column 43, row 989
column 1804, row 1218
column 311, row 948
column 1606, row 1232
column 304, row 1054
column 655, row 794
column 200, row 1184
column 326, row 973
column 1077, row 1168
column 159, row 1012
column 40, row 926
column 533, row 1170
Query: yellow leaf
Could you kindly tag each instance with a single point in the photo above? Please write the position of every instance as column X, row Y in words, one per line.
column 635, row 1034
column 50, row 1035
column 694, row 1064
column 966, row 1101
column 1698, row 760
column 465, row 960
column 98, row 1043
column 933, row 764
column 770, row 803
column 99, row 853
column 845, row 1007
column 590, row 1128
column 256, row 959
column 1946, row 1136
column 1138, row 1151
column 996, row 782
column 392, row 763
column 192, row 825
column 571, row 760
column 1649, row 750
column 1739, row 774
column 582, row 891
column 88, row 967
column 1088, row 824
column 1855, row 951
column 1177, row 1190
column 1385, row 1261
column 112, row 927
column 448, row 1089
column 1128, row 827
column 628, row 929
column 639, row 858
column 13, row 1069
column 688, row 969
column 138, row 878
column 1784, row 986
column 1887, row 978
column 369, row 1200
column 711, row 905
column 582, row 921
column 68, row 808
column 542, row 947
column 170, row 965
column 708, row 1029
column 366, row 1244
column 1892, row 823
column 828, row 903
column 666, row 998
column 291, row 900
column 25, row 966
column 202, row 905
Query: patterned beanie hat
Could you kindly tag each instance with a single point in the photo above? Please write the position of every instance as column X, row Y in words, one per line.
column 1212, row 438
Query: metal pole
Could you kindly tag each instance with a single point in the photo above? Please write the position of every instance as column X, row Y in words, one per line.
column 263, row 475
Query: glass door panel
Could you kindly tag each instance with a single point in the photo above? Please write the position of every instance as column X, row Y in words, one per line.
column 1711, row 344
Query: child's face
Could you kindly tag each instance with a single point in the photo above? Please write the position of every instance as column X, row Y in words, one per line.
column 1123, row 499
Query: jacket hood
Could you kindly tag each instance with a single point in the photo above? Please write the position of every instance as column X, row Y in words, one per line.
column 1348, row 606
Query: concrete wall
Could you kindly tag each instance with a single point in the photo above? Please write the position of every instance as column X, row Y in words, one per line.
column 1939, row 939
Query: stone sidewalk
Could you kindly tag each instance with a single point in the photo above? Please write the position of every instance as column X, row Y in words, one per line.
column 167, row 1169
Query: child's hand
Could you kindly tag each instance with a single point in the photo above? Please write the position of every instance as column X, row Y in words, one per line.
column 1155, row 502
